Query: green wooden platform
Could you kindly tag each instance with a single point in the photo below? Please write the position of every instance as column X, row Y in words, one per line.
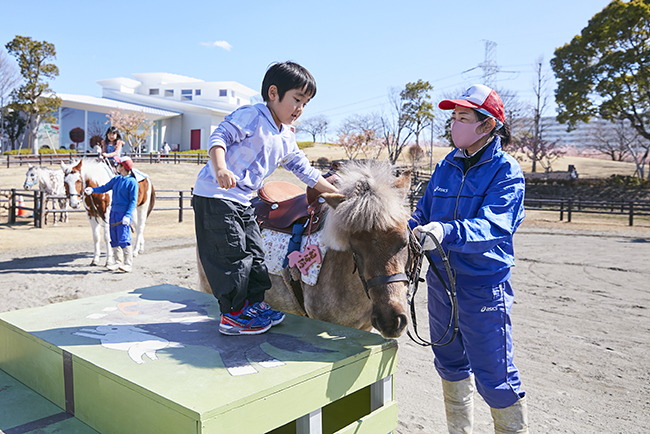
column 152, row 360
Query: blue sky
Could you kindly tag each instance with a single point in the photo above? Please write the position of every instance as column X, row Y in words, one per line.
column 356, row 50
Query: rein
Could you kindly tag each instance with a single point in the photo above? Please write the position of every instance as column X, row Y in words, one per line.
column 450, row 290
column 411, row 276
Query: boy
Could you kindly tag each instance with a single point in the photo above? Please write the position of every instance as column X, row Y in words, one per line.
column 125, row 198
column 244, row 149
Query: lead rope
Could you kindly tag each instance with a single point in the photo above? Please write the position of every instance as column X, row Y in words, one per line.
column 450, row 290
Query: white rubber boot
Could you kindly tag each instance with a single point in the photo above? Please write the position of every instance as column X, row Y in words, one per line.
column 117, row 255
column 459, row 405
column 128, row 259
column 511, row 420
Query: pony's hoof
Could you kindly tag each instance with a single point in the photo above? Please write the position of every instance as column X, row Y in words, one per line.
column 93, row 263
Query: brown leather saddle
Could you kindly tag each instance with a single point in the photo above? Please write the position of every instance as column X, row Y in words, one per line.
column 280, row 205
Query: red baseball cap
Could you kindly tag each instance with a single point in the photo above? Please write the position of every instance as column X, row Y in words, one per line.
column 481, row 98
column 124, row 161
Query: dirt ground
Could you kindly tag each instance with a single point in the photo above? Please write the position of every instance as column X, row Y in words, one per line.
column 580, row 320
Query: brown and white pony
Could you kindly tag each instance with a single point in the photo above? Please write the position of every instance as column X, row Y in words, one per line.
column 368, row 217
column 91, row 173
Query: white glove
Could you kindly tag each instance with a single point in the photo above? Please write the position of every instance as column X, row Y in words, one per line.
column 88, row 190
column 126, row 221
column 422, row 234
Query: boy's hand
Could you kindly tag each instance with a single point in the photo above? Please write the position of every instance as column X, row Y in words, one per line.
column 226, row 178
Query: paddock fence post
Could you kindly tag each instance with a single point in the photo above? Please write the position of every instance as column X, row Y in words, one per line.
column 180, row 206
column 631, row 213
column 569, row 209
column 561, row 209
column 12, row 207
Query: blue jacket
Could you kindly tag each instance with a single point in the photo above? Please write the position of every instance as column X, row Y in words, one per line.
column 125, row 194
column 479, row 211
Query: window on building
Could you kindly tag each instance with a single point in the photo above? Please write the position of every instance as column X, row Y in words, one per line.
column 232, row 93
column 197, row 92
column 223, row 92
column 154, row 91
column 186, row 95
column 169, row 92
column 238, row 101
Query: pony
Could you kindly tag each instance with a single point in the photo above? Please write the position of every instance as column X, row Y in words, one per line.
column 51, row 182
column 91, row 171
column 363, row 279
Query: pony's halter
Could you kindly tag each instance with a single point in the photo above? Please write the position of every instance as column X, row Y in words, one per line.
column 409, row 269
column 33, row 183
column 70, row 194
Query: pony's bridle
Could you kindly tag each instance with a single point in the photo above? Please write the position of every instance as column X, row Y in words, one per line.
column 407, row 276
column 411, row 275
column 81, row 199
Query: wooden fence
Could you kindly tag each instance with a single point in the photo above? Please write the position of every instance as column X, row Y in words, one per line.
column 568, row 206
column 182, row 201
column 36, row 202
column 56, row 159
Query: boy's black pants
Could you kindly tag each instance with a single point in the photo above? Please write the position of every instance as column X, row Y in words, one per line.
column 231, row 251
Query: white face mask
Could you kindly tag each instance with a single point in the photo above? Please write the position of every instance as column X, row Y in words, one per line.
column 464, row 135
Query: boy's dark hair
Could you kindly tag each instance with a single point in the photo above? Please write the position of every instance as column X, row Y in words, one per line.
column 286, row 76
column 503, row 132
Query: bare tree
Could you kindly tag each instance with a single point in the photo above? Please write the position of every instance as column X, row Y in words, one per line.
column 395, row 131
column 9, row 80
column 315, row 126
column 613, row 138
column 532, row 143
column 358, row 135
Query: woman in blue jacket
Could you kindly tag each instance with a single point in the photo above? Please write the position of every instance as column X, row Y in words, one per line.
column 473, row 205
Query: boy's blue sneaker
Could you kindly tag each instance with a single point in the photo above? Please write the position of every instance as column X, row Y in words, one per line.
column 248, row 322
column 265, row 310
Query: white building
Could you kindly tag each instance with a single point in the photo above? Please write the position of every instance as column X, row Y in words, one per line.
column 184, row 111
column 583, row 136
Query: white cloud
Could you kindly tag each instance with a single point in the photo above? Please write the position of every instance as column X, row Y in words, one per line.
column 221, row 44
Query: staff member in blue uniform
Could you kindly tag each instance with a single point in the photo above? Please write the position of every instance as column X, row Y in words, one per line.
column 473, row 205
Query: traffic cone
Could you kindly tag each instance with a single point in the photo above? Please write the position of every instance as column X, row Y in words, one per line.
column 21, row 202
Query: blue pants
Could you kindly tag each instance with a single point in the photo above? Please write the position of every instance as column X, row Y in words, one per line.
column 120, row 234
column 484, row 341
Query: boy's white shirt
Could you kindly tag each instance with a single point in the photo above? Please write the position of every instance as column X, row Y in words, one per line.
column 254, row 149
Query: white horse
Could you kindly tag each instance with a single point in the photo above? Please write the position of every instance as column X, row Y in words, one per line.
column 51, row 182
column 90, row 173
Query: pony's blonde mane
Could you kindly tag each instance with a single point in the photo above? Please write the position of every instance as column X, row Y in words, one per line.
column 373, row 203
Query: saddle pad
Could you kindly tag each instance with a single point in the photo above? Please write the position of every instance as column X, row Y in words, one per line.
column 276, row 245
column 139, row 175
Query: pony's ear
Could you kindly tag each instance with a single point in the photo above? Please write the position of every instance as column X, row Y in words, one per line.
column 29, row 165
column 333, row 199
column 78, row 166
column 404, row 180
column 65, row 168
